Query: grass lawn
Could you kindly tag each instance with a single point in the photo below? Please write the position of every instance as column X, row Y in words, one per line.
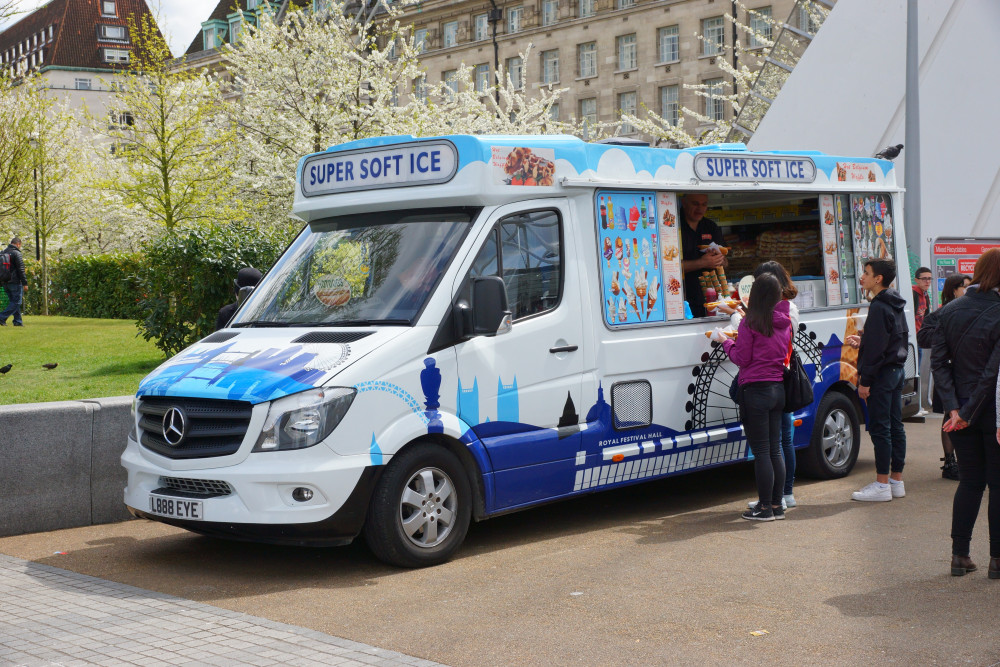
column 96, row 358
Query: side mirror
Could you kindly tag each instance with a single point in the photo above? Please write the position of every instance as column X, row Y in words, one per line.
column 243, row 294
column 490, row 314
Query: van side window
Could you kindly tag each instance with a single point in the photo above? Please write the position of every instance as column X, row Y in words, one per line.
column 531, row 260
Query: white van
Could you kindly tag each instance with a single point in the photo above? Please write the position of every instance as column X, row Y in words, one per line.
column 471, row 325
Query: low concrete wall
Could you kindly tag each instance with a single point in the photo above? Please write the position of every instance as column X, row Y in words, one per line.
column 59, row 464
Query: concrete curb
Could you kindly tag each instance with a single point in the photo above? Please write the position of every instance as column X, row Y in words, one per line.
column 59, row 464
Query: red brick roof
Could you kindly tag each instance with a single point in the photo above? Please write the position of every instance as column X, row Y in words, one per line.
column 223, row 10
column 75, row 30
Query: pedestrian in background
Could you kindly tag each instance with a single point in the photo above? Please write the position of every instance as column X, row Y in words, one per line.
column 881, row 356
column 760, row 350
column 245, row 277
column 16, row 285
column 965, row 359
column 922, row 281
column 788, row 292
column 954, row 287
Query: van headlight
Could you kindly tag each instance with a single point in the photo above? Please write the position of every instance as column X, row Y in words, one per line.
column 304, row 419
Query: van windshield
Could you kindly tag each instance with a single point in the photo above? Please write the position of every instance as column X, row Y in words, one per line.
column 358, row 270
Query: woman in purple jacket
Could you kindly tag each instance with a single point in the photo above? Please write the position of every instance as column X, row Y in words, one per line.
column 760, row 350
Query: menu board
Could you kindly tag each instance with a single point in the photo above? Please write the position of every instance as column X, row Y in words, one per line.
column 831, row 271
column 670, row 243
column 873, row 231
column 630, row 257
column 957, row 255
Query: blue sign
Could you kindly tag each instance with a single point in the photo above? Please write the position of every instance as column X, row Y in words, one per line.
column 730, row 168
column 398, row 166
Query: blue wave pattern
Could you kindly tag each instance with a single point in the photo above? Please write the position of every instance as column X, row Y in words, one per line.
column 223, row 373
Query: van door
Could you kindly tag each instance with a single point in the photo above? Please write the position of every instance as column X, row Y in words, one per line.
column 521, row 391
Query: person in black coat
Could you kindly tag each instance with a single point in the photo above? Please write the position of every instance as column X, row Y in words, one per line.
column 965, row 358
column 245, row 277
column 16, row 286
column 882, row 354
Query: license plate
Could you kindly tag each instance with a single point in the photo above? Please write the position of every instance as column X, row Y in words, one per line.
column 177, row 508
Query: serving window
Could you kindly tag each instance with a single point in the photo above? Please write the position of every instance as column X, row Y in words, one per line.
column 822, row 240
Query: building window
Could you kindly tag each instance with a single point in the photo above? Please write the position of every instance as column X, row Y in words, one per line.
column 450, row 31
column 554, row 112
column 713, row 30
column 482, row 78
column 627, row 105
column 669, row 39
column 390, row 52
column 550, row 11
column 625, row 4
column 115, row 33
column 808, row 20
column 587, row 8
column 252, row 4
column 115, row 56
column 550, row 66
column 82, row 84
column 515, row 69
column 514, row 15
column 760, row 28
column 450, row 79
column 714, row 103
column 420, row 89
column 320, row 6
column 420, row 40
column 482, row 27
column 120, row 120
column 213, row 34
column 588, row 111
column 108, row 8
column 670, row 108
column 394, row 96
column 235, row 27
column 588, row 59
column 626, row 52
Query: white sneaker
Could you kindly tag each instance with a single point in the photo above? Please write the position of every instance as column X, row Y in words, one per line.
column 921, row 413
column 873, row 493
column 788, row 501
column 897, row 488
column 753, row 503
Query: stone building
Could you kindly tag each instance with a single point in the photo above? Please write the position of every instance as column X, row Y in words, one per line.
column 76, row 46
column 611, row 55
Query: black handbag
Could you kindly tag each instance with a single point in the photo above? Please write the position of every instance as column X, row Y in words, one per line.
column 798, row 385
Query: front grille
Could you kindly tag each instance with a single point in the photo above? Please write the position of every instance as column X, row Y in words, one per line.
column 221, row 337
column 197, row 487
column 212, row 427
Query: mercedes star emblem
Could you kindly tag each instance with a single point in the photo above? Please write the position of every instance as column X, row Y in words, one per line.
column 174, row 426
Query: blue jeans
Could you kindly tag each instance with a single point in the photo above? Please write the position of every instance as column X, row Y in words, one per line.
column 761, row 407
column 885, row 420
column 788, row 449
column 14, row 293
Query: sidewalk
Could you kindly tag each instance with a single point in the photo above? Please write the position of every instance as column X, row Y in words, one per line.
column 50, row 616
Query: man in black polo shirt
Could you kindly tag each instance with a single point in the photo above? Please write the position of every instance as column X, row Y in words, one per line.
column 698, row 230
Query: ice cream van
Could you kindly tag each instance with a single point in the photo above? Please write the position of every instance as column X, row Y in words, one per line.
column 472, row 325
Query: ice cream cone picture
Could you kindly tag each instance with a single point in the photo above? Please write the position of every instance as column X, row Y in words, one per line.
column 640, row 290
column 645, row 251
column 611, row 310
column 654, row 288
column 615, row 287
column 622, row 313
column 630, row 295
column 618, row 250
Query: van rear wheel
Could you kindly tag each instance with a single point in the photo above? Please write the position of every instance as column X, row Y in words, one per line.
column 836, row 438
column 421, row 508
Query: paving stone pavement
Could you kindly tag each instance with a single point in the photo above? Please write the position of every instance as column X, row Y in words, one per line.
column 50, row 616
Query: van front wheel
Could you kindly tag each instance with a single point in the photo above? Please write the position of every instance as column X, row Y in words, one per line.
column 836, row 438
column 421, row 508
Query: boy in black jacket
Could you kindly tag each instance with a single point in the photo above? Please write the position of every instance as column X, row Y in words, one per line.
column 880, row 370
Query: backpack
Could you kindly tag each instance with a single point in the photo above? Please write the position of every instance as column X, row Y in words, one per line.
column 6, row 273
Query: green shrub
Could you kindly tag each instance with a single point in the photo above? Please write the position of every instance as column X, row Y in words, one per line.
column 98, row 286
column 189, row 275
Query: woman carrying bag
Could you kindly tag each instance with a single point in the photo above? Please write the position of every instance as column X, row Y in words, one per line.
column 760, row 351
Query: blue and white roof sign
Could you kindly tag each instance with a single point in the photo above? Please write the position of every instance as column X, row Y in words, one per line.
column 423, row 163
column 732, row 168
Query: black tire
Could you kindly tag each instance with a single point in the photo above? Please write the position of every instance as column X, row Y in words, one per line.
column 405, row 481
column 830, row 455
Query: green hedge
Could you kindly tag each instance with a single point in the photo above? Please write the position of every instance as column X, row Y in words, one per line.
column 188, row 276
column 102, row 286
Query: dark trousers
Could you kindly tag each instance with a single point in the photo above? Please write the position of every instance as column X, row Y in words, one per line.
column 787, row 431
column 885, row 420
column 978, row 467
column 761, row 404
column 15, row 294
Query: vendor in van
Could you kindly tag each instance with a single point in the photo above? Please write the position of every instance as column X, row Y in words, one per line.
column 697, row 230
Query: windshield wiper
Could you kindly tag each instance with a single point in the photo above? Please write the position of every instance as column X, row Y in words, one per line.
column 261, row 324
column 359, row 323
